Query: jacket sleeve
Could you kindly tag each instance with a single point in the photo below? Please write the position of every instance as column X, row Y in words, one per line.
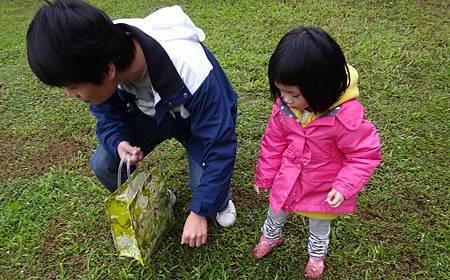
column 271, row 151
column 213, row 121
column 362, row 154
column 112, row 127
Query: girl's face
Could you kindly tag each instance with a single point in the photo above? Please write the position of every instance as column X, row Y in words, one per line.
column 292, row 96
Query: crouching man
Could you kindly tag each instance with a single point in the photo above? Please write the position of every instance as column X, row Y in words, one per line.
column 147, row 80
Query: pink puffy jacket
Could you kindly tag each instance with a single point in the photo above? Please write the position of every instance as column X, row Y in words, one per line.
column 301, row 165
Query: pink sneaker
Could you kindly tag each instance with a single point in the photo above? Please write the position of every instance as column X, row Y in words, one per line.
column 314, row 267
column 265, row 246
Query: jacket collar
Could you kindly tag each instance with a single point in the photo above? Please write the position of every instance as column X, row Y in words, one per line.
column 326, row 119
column 349, row 113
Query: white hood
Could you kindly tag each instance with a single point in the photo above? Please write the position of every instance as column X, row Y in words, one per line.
column 167, row 24
column 180, row 38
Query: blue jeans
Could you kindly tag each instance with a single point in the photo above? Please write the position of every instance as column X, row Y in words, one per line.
column 146, row 135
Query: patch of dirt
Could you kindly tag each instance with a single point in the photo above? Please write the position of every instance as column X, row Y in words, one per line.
column 250, row 197
column 31, row 157
column 410, row 261
column 45, row 258
column 366, row 214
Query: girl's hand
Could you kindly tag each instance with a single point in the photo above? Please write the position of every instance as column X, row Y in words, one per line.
column 256, row 187
column 135, row 153
column 335, row 198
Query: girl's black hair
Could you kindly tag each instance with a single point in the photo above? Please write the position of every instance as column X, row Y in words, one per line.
column 71, row 42
column 310, row 59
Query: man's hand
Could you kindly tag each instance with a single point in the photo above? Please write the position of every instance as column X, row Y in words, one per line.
column 195, row 230
column 335, row 198
column 135, row 153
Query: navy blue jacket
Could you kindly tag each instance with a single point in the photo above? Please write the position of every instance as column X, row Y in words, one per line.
column 208, row 134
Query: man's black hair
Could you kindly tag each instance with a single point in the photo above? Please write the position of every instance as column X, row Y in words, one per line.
column 310, row 59
column 71, row 42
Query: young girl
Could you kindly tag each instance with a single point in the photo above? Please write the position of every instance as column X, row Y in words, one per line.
column 318, row 151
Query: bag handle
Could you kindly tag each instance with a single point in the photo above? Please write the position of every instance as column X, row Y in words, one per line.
column 119, row 171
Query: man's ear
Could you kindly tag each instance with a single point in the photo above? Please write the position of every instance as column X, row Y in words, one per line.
column 111, row 72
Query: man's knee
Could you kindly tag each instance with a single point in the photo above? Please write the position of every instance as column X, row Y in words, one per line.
column 105, row 167
column 98, row 163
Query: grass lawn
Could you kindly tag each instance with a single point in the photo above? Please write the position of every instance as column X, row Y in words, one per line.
column 52, row 215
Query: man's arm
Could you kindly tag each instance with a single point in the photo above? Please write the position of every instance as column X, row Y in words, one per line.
column 213, row 124
column 213, row 120
column 112, row 127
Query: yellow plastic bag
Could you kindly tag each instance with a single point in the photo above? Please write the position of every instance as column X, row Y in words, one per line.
column 140, row 212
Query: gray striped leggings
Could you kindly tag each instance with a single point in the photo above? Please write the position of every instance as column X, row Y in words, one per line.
column 319, row 231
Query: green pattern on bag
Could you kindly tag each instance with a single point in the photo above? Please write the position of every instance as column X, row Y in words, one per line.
column 140, row 214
